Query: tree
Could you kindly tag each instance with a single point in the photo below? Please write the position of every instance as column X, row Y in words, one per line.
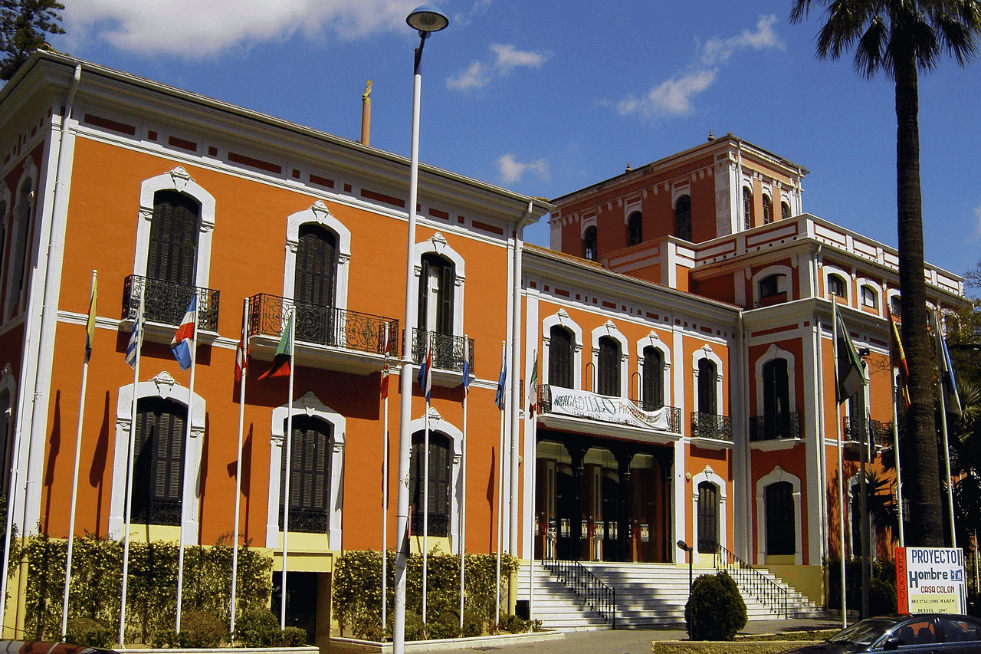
column 23, row 24
column 900, row 38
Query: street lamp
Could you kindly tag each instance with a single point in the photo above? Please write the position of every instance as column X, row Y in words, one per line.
column 425, row 20
column 688, row 548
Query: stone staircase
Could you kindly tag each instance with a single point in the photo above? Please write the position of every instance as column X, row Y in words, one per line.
column 647, row 595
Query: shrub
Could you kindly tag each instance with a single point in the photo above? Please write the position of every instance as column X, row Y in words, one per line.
column 164, row 638
column 715, row 610
column 201, row 629
column 254, row 628
column 292, row 637
column 88, row 632
column 882, row 597
column 514, row 624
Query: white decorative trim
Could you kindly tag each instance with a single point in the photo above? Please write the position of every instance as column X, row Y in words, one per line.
column 455, row 436
column 654, row 340
column 162, row 386
column 562, row 319
column 319, row 214
column 826, row 272
column 437, row 244
column 776, row 475
column 176, row 180
column 774, row 352
column 707, row 475
column 308, row 405
column 705, row 352
column 610, row 329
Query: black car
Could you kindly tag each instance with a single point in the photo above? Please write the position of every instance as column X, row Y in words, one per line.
column 933, row 633
column 39, row 647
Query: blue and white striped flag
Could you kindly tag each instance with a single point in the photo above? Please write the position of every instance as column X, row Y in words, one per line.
column 135, row 339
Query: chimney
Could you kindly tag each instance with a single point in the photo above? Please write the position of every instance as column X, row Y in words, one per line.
column 366, row 115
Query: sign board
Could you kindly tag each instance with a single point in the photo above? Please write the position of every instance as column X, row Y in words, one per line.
column 621, row 411
column 930, row 580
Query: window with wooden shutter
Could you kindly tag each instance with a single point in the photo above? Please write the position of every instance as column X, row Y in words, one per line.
column 309, row 487
column 158, row 472
column 653, row 379
column 172, row 255
column 436, row 285
column 589, row 244
column 776, row 399
column 560, row 357
column 706, row 387
column 781, row 531
column 316, row 266
column 708, row 517
column 440, row 479
column 608, row 377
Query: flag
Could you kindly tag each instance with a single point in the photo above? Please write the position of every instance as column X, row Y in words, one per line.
column 181, row 344
column 281, row 365
column 499, row 398
column 849, row 369
column 241, row 359
column 426, row 370
column 947, row 382
column 135, row 337
column 533, row 390
column 466, row 365
column 386, row 369
column 90, row 322
column 899, row 361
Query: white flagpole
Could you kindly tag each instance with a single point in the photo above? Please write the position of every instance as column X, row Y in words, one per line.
column 841, row 463
column 384, row 553
column 78, row 460
column 238, row 458
column 533, row 410
column 943, row 423
column 140, row 326
column 425, row 478
column 291, row 325
column 187, row 440
column 463, row 473
column 500, row 498
column 895, row 438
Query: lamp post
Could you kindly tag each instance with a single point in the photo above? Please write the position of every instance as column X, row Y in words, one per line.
column 425, row 19
column 685, row 546
column 689, row 610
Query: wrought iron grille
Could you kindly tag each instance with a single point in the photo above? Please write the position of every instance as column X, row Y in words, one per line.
column 859, row 430
column 439, row 525
column 709, row 425
column 323, row 325
column 167, row 302
column 674, row 413
column 156, row 512
column 447, row 350
column 765, row 590
column 305, row 521
column 774, row 427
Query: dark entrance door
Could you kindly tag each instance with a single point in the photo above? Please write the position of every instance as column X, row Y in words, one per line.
column 611, row 490
column 301, row 600
column 567, row 512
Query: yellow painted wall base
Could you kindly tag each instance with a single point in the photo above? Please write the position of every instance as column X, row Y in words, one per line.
column 808, row 580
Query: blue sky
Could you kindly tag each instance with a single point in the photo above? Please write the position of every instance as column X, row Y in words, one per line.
column 546, row 97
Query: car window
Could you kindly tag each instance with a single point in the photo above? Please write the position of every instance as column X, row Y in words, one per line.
column 918, row 632
column 959, row 631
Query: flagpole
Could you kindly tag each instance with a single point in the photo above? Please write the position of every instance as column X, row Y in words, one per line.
column 533, row 491
column 899, row 478
column 841, row 464
column 128, row 503
column 425, row 482
column 290, row 326
column 243, row 367
column 943, row 422
column 90, row 329
column 500, row 488
column 385, row 446
column 463, row 473
column 187, row 440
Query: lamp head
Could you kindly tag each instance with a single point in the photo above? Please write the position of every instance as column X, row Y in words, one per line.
column 427, row 18
column 685, row 546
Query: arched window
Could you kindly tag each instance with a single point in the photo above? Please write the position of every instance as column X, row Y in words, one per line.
column 708, row 517
column 896, row 306
column 436, row 294
column 870, row 297
column 781, row 526
column 608, row 378
column 20, row 243
column 172, row 255
column 707, row 381
column 767, row 210
column 747, row 208
column 836, row 286
column 316, row 266
column 653, row 379
column 776, row 399
column 309, row 488
column 785, row 210
column 158, row 469
column 440, row 483
column 560, row 357
column 682, row 218
column 589, row 244
column 635, row 228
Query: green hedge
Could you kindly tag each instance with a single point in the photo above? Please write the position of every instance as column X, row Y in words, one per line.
column 882, row 585
column 357, row 594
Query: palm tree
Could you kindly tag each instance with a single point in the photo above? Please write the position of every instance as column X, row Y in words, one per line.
column 900, row 38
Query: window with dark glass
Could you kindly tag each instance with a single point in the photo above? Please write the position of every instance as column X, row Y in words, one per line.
column 316, row 266
column 589, row 244
column 608, row 376
column 309, row 488
column 707, row 380
column 708, row 517
column 767, row 210
column 770, row 285
column 682, row 218
column 22, row 241
column 158, row 470
column 858, row 417
column 896, row 306
column 870, row 297
column 635, row 228
column 436, row 285
column 747, row 208
column 785, row 210
column 836, row 286
column 653, row 379
column 776, row 399
column 439, row 483
column 781, row 530
column 560, row 357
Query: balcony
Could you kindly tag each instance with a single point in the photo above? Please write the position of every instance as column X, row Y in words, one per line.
column 165, row 303
column 325, row 337
column 857, row 431
column 447, row 352
column 589, row 413
column 774, row 427
column 710, row 430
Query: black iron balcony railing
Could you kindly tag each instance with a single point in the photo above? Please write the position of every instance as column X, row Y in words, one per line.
column 322, row 325
column 859, row 430
column 709, row 425
column 167, row 302
column 774, row 427
column 447, row 350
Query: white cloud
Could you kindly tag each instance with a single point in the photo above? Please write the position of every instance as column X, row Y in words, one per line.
column 196, row 28
column 675, row 96
column 464, row 19
column 512, row 170
column 507, row 57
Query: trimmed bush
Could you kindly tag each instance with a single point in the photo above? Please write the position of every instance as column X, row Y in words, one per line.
column 201, row 629
column 715, row 610
column 882, row 598
column 252, row 628
column 87, row 632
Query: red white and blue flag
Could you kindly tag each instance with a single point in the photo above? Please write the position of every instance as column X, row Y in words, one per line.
column 181, row 345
